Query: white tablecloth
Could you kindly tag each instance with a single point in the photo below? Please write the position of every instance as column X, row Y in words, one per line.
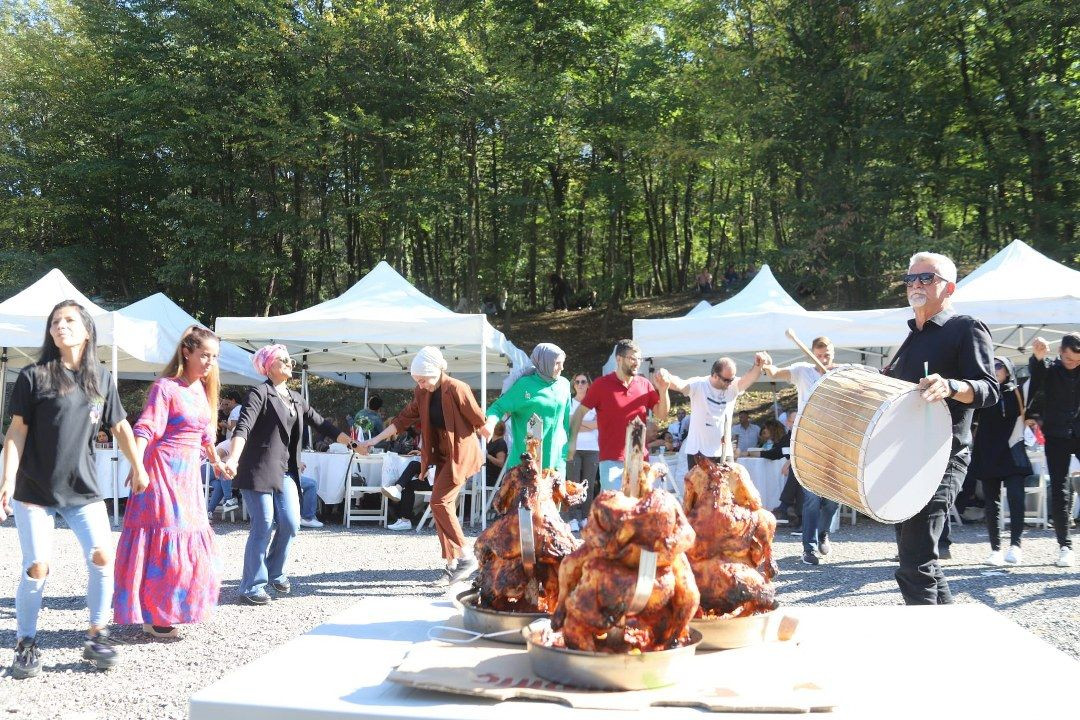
column 328, row 470
column 767, row 478
column 103, row 463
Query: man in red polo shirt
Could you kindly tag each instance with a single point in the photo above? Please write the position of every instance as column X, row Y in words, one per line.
column 618, row 398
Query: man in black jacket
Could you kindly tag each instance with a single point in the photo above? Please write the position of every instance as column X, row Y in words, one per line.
column 1060, row 382
column 950, row 356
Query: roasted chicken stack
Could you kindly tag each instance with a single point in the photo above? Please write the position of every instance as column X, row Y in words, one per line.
column 504, row 581
column 732, row 556
column 597, row 582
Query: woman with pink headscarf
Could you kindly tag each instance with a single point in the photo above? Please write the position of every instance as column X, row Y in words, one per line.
column 272, row 420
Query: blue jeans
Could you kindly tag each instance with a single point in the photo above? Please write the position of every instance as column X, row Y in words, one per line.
column 35, row 524
column 309, row 498
column 220, row 489
column 611, row 474
column 817, row 517
column 264, row 559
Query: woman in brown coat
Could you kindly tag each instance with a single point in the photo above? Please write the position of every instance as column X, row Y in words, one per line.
column 449, row 420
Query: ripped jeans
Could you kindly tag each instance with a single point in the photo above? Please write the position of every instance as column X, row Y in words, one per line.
column 35, row 524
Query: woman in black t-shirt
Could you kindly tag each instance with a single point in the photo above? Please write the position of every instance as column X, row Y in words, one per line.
column 57, row 406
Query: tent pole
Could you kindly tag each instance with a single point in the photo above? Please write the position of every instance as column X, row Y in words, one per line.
column 115, row 448
column 483, row 441
column 3, row 385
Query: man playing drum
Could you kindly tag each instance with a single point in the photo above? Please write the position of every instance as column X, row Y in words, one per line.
column 950, row 356
column 818, row 512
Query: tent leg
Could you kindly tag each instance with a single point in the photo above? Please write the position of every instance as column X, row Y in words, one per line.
column 483, row 441
column 116, row 453
column 3, row 385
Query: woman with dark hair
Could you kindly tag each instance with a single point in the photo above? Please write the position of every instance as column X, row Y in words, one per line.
column 167, row 567
column 273, row 422
column 995, row 464
column 583, row 467
column 57, row 406
column 449, row 421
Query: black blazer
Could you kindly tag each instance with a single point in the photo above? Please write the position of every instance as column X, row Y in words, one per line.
column 265, row 425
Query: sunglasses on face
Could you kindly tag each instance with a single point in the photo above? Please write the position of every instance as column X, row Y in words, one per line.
column 725, row 380
column 287, row 361
column 581, row 381
column 924, row 278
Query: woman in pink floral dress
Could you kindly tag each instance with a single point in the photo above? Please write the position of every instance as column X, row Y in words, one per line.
column 167, row 567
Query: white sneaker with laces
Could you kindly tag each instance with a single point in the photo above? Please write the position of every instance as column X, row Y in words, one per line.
column 230, row 505
column 1014, row 555
column 312, row 523
column 401, row 524
column 996, row 558
column 1065, row 557
column 393, row 492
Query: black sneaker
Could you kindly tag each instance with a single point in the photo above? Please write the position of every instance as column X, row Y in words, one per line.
column 823, row 544
column 283, row 587
column 809, row 558
column 27, row 662
column 256, row 598
column 100, row 650
column 944, row 553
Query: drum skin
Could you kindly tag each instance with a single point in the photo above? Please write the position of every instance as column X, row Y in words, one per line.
column 871, row 442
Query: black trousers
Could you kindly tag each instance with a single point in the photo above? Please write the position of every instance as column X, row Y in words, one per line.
column 1014, row 489
column 792, row 494
column 919, row 576
column 410, row 482
column 1058, row 453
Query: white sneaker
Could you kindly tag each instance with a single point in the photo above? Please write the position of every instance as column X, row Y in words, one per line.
column 995, row 558
column 1014, row 555
column 466, row 566
column 575, row 526
column 230, row 505
column 312, row 523
column 401, row 524
column 393, row 492
column 1065, row 557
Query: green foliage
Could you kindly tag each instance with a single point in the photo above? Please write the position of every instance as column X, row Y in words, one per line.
column 258, row 156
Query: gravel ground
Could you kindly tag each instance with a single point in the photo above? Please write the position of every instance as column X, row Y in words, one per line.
column 333, row 568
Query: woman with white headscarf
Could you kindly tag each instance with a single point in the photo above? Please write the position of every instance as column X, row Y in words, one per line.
column 542, row 391
column 449, row 420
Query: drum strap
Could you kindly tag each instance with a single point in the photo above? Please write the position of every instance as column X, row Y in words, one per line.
column 888, row 369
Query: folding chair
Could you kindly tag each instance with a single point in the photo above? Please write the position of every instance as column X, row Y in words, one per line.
column 355, row 511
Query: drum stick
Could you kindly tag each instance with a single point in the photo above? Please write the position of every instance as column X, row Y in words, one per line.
column 813, row 358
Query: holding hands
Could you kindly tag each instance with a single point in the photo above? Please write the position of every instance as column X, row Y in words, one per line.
column 662, row 379
column 137, row 479
column 1040, row 348
column 763, row 360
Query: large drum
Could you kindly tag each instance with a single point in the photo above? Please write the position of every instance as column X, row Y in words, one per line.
column 871, row 442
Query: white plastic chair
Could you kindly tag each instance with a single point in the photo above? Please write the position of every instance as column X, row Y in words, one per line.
column 355, row 511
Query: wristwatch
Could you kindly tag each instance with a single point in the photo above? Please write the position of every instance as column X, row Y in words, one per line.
column 954, row 387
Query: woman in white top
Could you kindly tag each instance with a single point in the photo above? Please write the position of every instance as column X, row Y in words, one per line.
column 583, row 466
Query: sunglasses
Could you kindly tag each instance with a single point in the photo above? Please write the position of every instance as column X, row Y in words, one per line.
column 924, row 278
column 286, row 361
column 725, row 380
column 581, row 382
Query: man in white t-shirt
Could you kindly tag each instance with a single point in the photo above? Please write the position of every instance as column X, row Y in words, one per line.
column 712, row 406
column 679, row 427
column 818, row 512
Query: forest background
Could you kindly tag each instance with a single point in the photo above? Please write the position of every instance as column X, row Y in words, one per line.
column 252, row 157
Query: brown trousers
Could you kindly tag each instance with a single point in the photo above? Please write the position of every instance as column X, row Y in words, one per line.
column 444, row 493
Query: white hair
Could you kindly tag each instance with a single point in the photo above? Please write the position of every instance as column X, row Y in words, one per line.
column 943, row 265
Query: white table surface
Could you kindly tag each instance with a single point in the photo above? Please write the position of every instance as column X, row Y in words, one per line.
column 884, row 661
column 767, row 478
column 328, row 470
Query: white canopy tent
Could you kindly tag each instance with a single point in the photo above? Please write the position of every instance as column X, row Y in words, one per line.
column 368, row 335
column 757, row 319
column 1020, row 293
column 167, row 322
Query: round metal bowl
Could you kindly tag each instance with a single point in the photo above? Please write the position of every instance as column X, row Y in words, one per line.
column 720, row 633
column 487, row 622
column 606, row 671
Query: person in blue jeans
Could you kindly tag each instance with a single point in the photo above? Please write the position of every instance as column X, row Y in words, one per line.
column 57, row 406
column 221, row 489
column 272, row 422
column 309, row 500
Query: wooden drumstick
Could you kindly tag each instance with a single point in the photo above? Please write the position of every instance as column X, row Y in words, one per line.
column 813, row 358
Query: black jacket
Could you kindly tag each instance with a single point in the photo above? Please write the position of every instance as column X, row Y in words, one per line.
column 273, row 442
column 1061, row 393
